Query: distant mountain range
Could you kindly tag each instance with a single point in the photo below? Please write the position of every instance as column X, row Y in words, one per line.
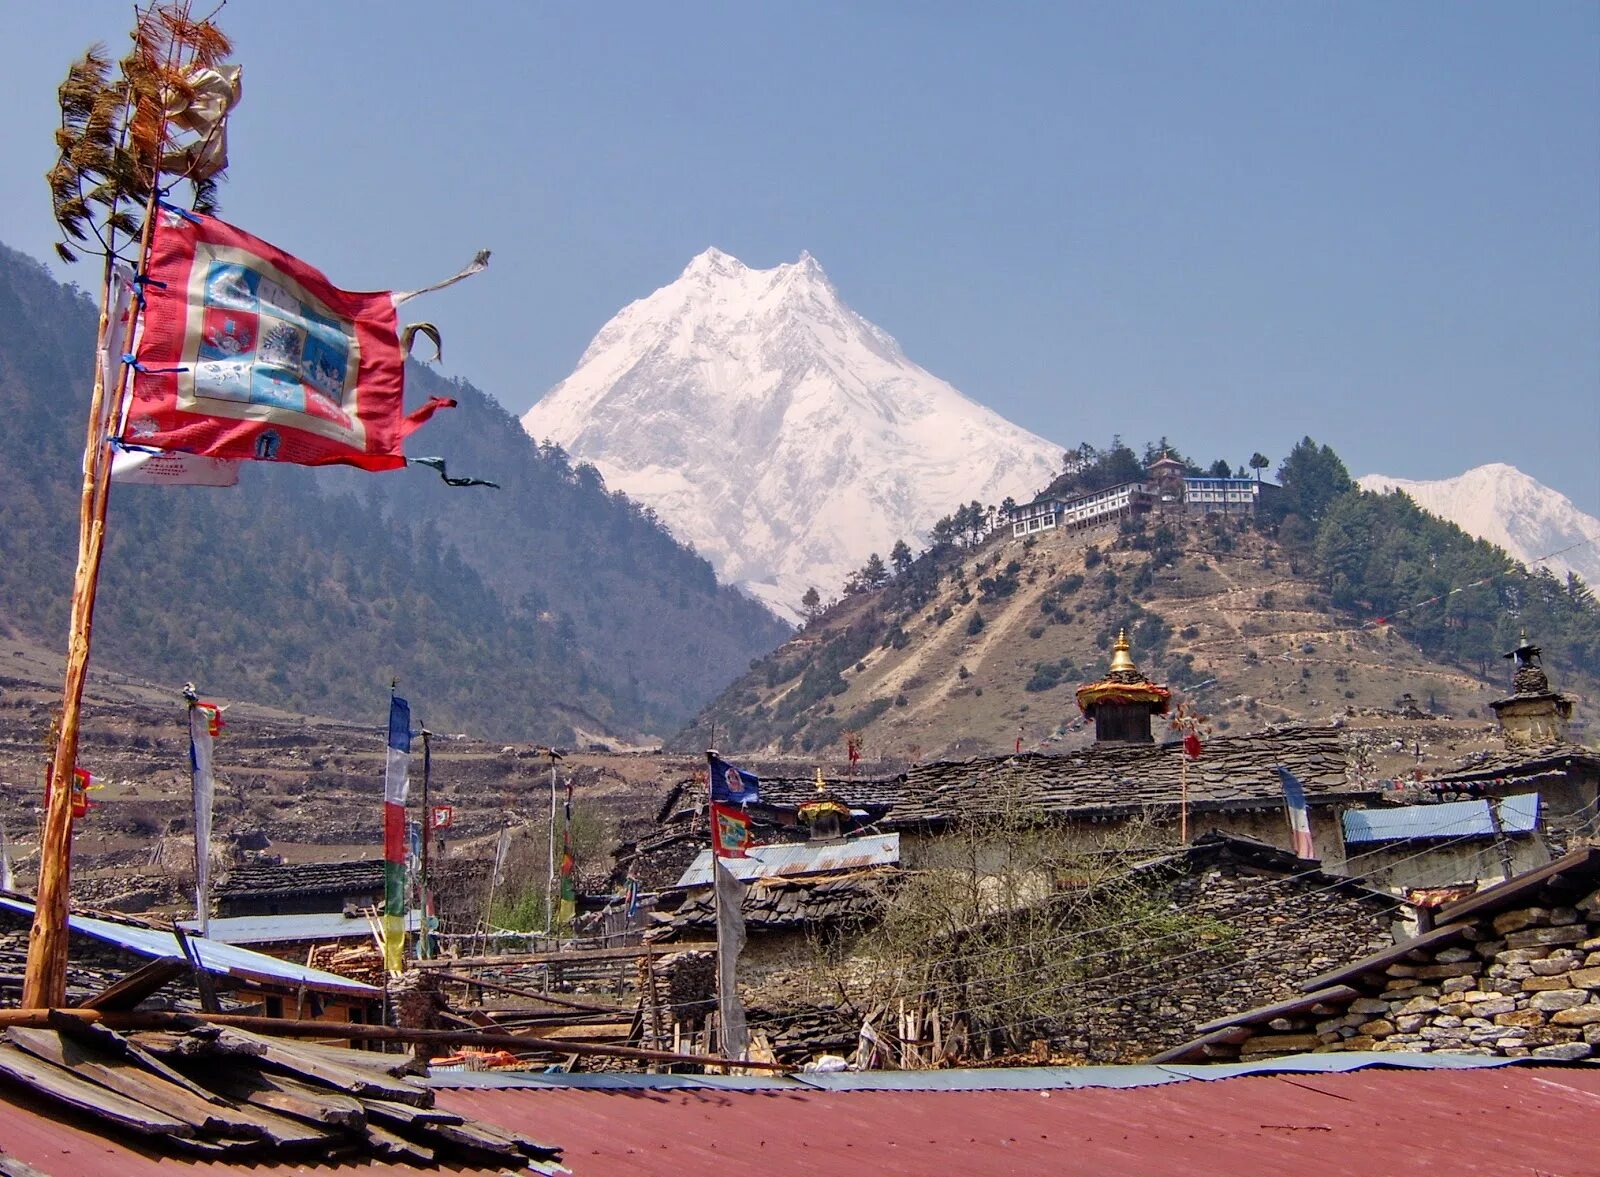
column 1501, row 504
column 550, row 609
column 777, row 430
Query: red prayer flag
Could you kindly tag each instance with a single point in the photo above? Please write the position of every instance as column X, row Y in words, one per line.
column 730, row 831
column 249, row 353
column 1192, row 746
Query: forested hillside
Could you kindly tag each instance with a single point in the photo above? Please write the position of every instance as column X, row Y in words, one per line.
column 533, row 611
column 1332, row 598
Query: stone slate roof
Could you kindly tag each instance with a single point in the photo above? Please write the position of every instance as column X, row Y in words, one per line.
column 778, row 904
column 1503, row 766
column 860, row 793
column 303, row 878
column 1234, row 772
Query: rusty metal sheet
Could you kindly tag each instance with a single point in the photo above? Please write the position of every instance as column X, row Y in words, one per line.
column 1314, row 1125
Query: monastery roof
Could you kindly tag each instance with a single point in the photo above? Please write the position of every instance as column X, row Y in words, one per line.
column 1234, row 772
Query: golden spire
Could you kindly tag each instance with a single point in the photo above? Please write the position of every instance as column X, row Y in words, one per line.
column 1120, row 658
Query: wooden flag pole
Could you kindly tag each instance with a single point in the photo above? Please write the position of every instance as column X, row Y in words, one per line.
column 161, row 27
column 424, row 933
column 45, row 980
column 716, row 899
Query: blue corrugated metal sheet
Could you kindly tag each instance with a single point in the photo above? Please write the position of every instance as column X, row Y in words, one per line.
column 800, row 858
column 223, row 959
column 271, row 929
column 983, row 1079
column 1451, row 819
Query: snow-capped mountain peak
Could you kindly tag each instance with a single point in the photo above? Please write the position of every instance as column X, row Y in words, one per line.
column 777, row 430
column 1501, row 504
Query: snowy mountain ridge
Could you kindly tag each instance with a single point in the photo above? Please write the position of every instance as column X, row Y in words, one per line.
column 1501, row 504
column 777, row 430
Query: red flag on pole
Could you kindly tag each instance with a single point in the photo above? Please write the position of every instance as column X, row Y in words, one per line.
column 730, row 831
column 1192, row 747
column 249, row 353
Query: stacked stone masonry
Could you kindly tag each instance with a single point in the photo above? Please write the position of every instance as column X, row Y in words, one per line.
column 1527, row 984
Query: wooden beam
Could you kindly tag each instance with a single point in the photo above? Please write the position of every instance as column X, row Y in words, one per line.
column 354, row 1031
column 567, row 956
column 137, row 985
column 524, row 991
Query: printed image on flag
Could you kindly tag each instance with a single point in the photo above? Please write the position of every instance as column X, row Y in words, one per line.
column 730, row 831
column 1294, row 796
column 249, row 353
column 732, row 786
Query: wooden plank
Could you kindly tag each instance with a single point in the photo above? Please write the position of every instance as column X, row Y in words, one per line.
column 112, row 1042
column 622, row 952
column 51, row 1082
column 344, row 1055
column 528, row 1148
column 125, row 1079
column 295, row 1100
column 137, row 985
column 395, row 1147
column 617, row 1030
column 402, row 1114
column 476, row 1138
column 283, row 1028
column 322, row 1073
column 532, row 994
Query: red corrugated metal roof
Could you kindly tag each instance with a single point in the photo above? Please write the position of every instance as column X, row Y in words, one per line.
column 1520, row 1119
column 1490, row 1122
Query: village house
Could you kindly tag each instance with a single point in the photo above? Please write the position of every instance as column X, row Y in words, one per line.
column 1537, row 753
column 300, row 888
column 1127, row 501
column 1511, row 971
column 1498, row 814
column 1126, row 777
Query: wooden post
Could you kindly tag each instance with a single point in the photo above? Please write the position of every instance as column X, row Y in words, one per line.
column 1500, row 843
column 424, row 933
column 44, row 983
column 1183, row 801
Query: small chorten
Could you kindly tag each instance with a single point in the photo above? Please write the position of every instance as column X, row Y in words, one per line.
column 1532, row 714
column 826, row 816
column 1122, row 703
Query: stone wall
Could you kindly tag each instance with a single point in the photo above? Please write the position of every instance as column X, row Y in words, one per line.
column 1525, row 983
column 1249, row 934
column 1269, row 932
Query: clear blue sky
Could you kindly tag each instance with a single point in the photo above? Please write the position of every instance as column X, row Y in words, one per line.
column 1235, row 224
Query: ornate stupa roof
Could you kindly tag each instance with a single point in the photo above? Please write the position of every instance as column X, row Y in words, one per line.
column 1123, row 683
column 824, row 804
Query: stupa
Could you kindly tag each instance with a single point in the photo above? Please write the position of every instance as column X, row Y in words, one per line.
column 1122, row 703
